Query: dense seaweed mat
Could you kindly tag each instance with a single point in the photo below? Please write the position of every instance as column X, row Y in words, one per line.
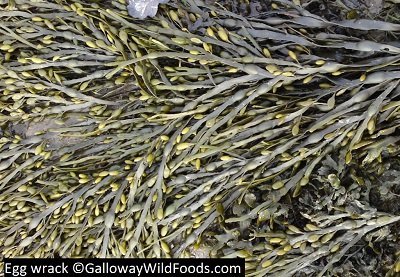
column 272, row 137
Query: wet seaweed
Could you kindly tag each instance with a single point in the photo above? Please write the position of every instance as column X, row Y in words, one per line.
column 266, row 135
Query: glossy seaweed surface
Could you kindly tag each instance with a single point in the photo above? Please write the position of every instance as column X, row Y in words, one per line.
column 268, row 131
